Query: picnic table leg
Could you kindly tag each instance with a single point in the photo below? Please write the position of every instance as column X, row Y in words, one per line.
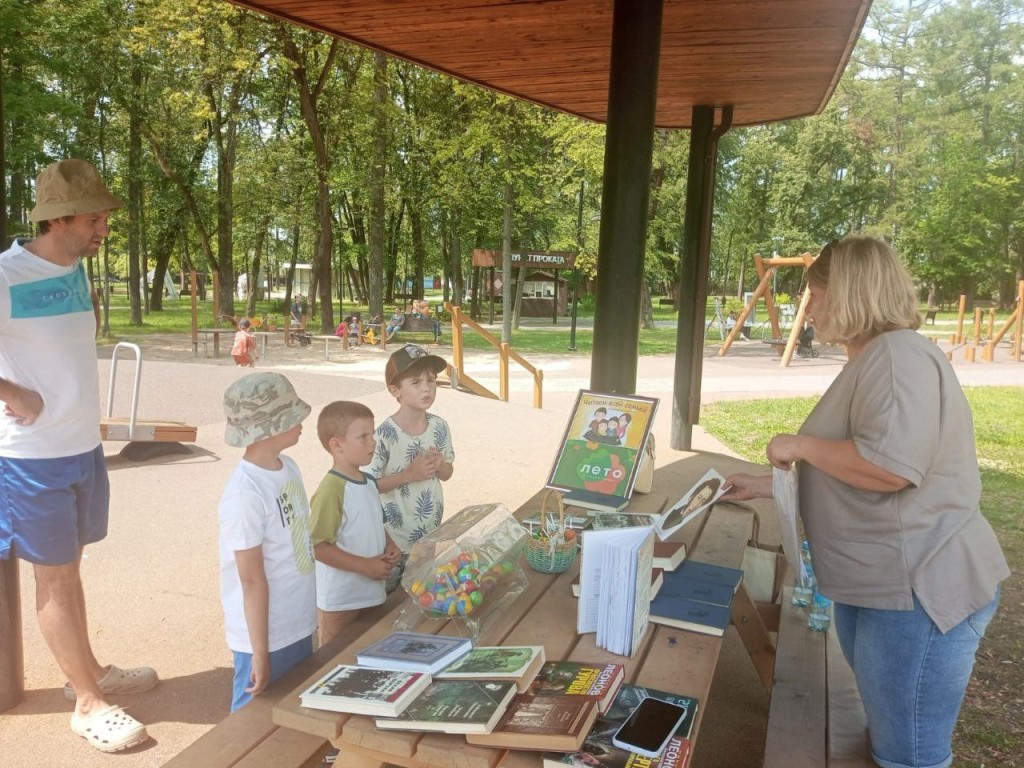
column 12, row 660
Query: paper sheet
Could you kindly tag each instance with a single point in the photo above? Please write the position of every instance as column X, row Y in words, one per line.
column 787, row 502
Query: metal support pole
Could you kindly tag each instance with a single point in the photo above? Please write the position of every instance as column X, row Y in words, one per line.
column 693, row 284
column 629, row 143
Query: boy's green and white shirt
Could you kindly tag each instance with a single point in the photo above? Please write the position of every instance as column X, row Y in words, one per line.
column 411, row 510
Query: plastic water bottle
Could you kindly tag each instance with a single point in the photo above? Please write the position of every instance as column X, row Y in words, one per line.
column 802, row 593
column 820, row 617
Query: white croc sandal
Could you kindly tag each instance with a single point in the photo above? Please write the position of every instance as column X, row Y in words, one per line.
column 118, row 681
column 110, row 729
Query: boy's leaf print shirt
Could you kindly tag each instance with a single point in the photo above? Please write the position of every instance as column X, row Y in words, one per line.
column 412, row 510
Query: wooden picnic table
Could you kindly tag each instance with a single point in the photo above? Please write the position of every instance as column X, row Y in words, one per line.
column 545, row 614
column 214, row 333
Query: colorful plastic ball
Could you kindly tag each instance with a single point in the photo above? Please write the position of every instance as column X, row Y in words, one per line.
column 464, row 605
column 476, row 598
column 426, row 600
column 417, row 588
column 469, row 586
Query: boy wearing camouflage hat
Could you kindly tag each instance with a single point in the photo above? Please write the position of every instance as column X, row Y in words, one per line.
column 266, row 557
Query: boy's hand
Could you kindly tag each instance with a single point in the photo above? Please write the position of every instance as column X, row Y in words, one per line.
column 392, row 553
column 377, row 568
column 260, row 674
column 425, row 465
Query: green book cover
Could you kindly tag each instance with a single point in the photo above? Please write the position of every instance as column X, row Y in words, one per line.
column 499, row 661
column 455, row 706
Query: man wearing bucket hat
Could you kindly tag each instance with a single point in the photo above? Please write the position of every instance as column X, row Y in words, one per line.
column 267, row 582
column 55, row 496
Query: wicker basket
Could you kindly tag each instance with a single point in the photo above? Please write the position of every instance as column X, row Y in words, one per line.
column 552, row 554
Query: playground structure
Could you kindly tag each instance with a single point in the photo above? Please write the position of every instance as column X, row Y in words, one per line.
column 766, row 272
column 131, row 428
column 991, row 340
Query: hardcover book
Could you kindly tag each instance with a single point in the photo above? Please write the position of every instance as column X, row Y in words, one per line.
column 558, row 723
column 657, row 579
column 518, row 664
column 605, row 520
column 601, row 449
column 597, row 682
column 676, row 584
column 414, row 652
column 364, row 691
column 455, row 706
column 598, row 749
column 615, row 589
column 698, row 498
column 669, row 554
column 673, row 611
column 715, row 574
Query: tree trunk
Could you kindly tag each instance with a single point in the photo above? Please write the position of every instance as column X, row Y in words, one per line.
column 378, row 167
column 135, row 196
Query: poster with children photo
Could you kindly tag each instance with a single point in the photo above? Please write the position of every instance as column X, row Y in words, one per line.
column 601, row 447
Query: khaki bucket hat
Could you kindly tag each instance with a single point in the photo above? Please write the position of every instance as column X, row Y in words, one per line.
column 70, row 188
column 259, row 406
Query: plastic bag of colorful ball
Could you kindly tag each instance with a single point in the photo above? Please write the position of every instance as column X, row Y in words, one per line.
column 468, row 566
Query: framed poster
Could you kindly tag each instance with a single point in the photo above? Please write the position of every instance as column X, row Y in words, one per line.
column 603, row 441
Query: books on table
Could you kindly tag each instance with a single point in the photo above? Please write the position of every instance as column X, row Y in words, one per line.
column 657, row 579
column 697, row 597
column 602, row 521
column 518, row 664
column 455, row 706
column 599, row 456
column 669, row 554
column 414, row 652
column 597, row 682
column 364, row 691
column 558, row 723
column 598, row 749
column 698, row 498
column 615, row 590
column 601, row 502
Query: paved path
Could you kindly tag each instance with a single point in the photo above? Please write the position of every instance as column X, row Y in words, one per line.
column 152, row 584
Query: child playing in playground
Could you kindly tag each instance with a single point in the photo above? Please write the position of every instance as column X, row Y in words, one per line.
column 354, row 554
column 244, row 349
column 267, row 582
column 414, row 452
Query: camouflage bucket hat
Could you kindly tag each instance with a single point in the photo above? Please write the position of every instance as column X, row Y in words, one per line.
column 408, row 357
column 259, row 406
column 70, row 188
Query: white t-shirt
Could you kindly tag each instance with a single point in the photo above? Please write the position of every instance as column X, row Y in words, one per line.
column 412, row 510
column 347, row 513
column 48, row 344
column 268, row 508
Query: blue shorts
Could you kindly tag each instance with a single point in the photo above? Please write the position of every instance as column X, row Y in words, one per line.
column 281, row 661
column 51, row 508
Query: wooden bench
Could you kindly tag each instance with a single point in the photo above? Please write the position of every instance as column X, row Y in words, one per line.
column 421, row 324
column 929, row 316
column 249, row 738
column 666, row 302
column 816, row 718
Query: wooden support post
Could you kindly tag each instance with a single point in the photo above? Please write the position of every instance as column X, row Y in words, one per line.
column 1020, row 318
column 991, row 322
column 194, row 284
column 12, row 658
column 969, row 353
column 960, row 319
column 977, row 326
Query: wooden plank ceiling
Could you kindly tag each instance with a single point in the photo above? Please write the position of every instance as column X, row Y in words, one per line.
column 771, row 59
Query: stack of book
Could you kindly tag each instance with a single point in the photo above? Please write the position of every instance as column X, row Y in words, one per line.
column 598, row 749
column 697, row 597
column 584, row 680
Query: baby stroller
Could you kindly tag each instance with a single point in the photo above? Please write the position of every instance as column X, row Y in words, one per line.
column 805, row 349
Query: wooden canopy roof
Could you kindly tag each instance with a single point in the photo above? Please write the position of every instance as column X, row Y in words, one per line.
column 770, row 59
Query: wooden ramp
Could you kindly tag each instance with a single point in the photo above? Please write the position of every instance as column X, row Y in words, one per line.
column 114, row 428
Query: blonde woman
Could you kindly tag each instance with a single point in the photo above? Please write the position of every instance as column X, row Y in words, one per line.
column 889, row 495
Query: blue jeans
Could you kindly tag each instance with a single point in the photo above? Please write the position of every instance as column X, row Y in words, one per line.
column 911, row 677
column 281, row 661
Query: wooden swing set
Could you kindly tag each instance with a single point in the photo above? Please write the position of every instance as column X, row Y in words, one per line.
column 766, row 272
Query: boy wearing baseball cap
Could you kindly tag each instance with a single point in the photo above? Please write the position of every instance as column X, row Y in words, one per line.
column 267, row 578
column 414, row 452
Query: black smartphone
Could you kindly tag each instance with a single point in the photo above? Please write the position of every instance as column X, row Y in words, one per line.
column 649, row 727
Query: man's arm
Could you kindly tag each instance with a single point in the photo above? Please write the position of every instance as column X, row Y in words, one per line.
column 22, row 404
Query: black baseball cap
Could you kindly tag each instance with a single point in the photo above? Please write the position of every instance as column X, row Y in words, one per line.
column 403, row 360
